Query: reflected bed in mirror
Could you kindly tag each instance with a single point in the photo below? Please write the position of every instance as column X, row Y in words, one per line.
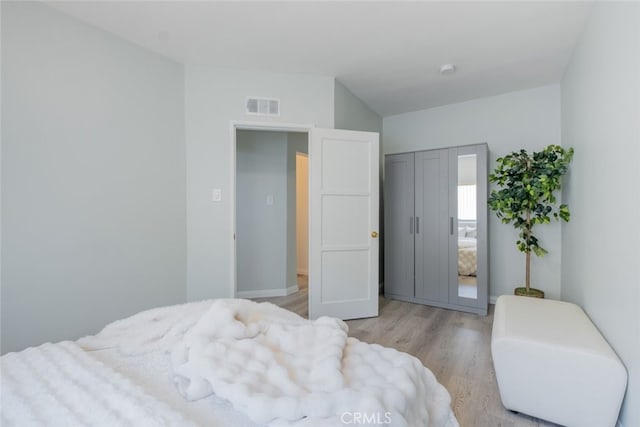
column 467, row 260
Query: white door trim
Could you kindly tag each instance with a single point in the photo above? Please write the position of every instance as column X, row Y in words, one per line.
column 245, row 125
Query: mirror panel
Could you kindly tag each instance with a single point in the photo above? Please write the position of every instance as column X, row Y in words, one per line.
column 467, row 221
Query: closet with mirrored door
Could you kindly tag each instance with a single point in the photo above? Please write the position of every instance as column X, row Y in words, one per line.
column 435, row 224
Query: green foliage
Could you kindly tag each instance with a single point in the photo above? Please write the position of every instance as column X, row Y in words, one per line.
column 526, row 195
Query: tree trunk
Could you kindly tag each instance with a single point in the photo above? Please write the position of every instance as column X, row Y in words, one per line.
column 528, row 273
column 528, row 253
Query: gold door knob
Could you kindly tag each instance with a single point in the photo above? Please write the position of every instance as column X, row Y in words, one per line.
column 374, row 234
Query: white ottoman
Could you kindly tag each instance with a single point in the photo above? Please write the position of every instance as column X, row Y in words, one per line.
column 552, row 363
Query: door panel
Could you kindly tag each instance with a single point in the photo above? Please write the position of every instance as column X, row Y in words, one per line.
column 432, row 217
column 342, row 221
column 343, row 224
column 345, row 276
column 399, row 225
column 339, row 156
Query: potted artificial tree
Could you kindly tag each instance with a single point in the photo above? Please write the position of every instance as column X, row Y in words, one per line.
column 527, row 183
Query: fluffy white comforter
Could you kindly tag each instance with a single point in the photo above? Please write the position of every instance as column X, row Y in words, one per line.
column 60, row 384
column 281, row 369
column 273, row 365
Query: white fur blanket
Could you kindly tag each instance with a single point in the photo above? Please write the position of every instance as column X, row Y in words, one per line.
column 281, row 369
column 61, row 385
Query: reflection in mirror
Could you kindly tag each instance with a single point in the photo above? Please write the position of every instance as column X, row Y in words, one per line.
column 467, row 227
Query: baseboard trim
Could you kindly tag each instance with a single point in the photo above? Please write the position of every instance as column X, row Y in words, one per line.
column 292, row 289
column 493, row 299
column 262, row 293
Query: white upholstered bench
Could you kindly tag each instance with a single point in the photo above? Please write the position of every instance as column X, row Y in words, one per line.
column 552, row 363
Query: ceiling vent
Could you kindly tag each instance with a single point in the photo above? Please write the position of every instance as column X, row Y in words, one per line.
column 263, row 106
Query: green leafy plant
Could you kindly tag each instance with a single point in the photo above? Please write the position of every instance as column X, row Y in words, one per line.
column 526, row 195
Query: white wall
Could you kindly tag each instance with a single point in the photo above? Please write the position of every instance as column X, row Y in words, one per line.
column 528, row 119
column 93, row 178
column 261, row 240
column 601, row 119
column 213, row 98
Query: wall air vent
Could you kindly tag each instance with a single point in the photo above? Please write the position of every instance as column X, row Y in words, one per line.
column 263, row 106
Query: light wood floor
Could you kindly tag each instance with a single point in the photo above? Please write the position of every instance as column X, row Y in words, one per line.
column 455, row 346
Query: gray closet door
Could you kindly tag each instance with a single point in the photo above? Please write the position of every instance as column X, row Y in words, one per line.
column 399, row 225
column 432, row 225
column 468, row 291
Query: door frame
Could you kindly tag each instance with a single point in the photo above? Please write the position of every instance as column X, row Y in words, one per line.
column 236, row 125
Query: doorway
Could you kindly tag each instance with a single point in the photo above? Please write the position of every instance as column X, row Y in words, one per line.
column 343, row 224
column 272, row 215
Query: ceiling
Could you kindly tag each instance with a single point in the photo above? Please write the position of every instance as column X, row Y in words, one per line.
column 387, row 53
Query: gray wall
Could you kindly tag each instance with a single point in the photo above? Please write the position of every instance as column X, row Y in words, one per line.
column 353, row 114
column 261, row 244
column 93, row 178
column 601, row 119
column 215, row 97
column 527, row 119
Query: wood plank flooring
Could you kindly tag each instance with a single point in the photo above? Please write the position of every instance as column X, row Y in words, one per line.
column 455, row 346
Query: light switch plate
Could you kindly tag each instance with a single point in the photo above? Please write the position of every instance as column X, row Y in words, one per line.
column 270, row 200
column 216, row 194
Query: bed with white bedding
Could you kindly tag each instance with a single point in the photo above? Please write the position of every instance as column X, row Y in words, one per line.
column 220, row 363
column 467, row 248
column 467, row 256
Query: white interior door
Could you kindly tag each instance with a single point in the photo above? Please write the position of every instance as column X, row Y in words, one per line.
column 343, row 224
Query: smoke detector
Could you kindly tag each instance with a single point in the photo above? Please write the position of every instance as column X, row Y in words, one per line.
column 447, row 69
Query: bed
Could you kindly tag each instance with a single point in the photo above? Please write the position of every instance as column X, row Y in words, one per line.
column 467, row 256
column 223, row 362
column 467, row 248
